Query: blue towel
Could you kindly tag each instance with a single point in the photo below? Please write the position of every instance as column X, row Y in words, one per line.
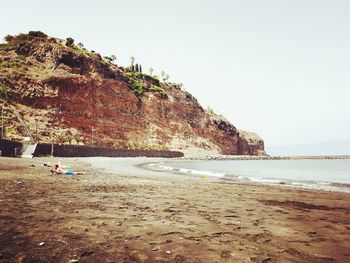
column 69, row 172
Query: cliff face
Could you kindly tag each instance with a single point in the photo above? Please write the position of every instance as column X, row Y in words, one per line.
column 70, row 94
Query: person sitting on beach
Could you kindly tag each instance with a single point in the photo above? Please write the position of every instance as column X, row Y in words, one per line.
column 57, row 170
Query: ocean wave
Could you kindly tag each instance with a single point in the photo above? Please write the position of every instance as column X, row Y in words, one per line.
column 202, row 172
column 189, row 171
column 265, row 180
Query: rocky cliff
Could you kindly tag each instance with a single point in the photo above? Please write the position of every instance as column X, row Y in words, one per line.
column 67, row 94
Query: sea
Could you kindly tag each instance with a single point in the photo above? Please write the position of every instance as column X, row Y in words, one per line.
column 325, row 174
column 332, row 175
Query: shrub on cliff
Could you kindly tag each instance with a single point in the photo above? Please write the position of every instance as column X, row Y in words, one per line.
column 24, row 37
column 3, row 95
column 134, row 83
column 9, row 38
column 109, row 59
column 69, row 42
column 157, row 89
column 37, row 34
column 80, row 45
column 137, row 87
column 14, row 40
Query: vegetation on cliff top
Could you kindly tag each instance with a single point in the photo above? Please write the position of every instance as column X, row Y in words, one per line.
column 140, row 82
column 13, row 40
column 24, row 49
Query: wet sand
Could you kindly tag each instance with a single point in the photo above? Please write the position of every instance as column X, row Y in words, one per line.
column 102, row 217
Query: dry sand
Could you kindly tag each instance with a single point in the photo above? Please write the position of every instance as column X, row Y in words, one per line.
column 101, row 217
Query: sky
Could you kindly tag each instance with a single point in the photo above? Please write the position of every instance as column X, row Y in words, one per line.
column 280, row 68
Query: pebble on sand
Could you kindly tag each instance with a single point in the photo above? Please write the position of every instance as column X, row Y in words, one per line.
column 41, row 244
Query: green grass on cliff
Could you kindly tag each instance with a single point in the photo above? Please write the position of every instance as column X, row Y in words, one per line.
column 5, row 46
column 135, row 83
column 13, row 67
column 157, row 89
column 82, row 51
column 141, row 75
column 137, row 87
column 138, row 83
column 135, row 75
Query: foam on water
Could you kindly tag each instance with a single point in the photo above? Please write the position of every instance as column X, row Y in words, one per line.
column 186, row 171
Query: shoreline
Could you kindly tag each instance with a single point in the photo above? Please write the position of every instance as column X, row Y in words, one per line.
column 166, row 167
column 261, row 157
column 114, row 217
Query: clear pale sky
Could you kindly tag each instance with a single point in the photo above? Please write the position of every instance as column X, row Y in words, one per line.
column 280, row 68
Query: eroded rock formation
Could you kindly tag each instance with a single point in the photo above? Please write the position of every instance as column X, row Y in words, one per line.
column 73, row 95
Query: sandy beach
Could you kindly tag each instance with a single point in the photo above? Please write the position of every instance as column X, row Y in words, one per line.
column 149, row 217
